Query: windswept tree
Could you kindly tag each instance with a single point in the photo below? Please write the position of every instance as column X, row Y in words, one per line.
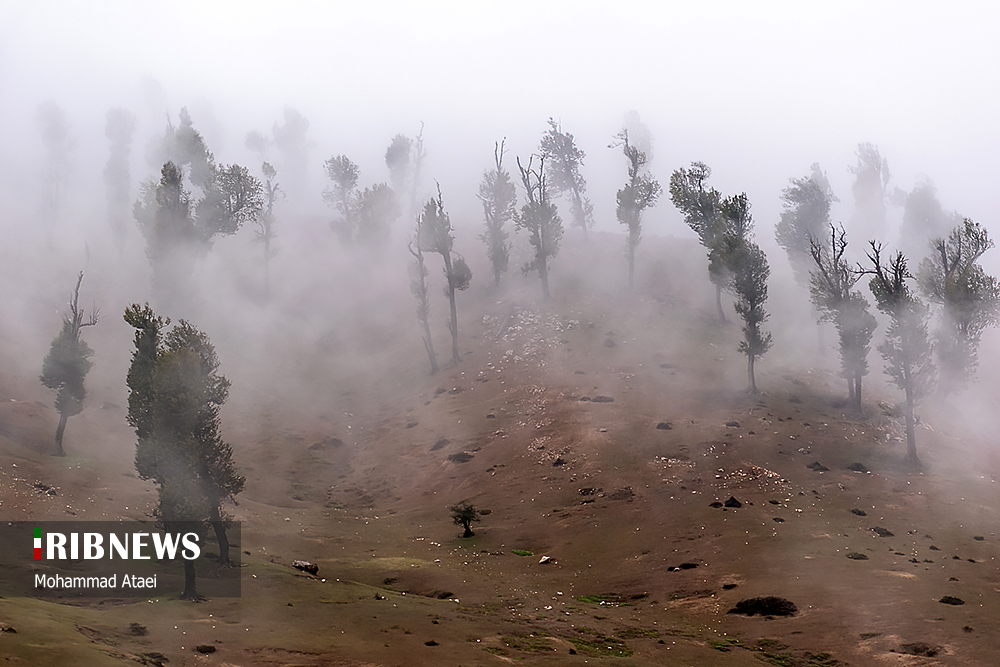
column 833, row 295
column 639, row 193
column 418, row 287
column 179, row 228
column 871, row 179
column 907, row 346
column 700, row 204
column 499, row 197
column 340, row 195
column 175, row 394
column 747, row 266
column 562, row 160
column 264, row 224
column 66, row 365
column 119, row 128
column 540, row 219
column 465, row 515
column 805, row 217
column 436, row 235
column 953, row 278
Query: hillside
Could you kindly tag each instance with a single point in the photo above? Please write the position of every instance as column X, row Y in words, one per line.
column 603, row 432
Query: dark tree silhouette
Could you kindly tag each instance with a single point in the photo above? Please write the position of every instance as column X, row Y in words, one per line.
column 540, row 218
column 377, row 207
column 924, row 219
column 66, row 365
column 700, row 206
column 834, row 296
column 639, row 193
column 562, row 160
column 953, row 278
column 499, row 197
column 907, row 346
column 175, row 394
column 119, row 128
column 749, row 272
column 465, row 515
column 436, row 235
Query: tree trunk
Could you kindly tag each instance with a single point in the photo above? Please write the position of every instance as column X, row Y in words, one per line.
column 543, row 272
column 220, row 535
column 911, row 436
column 453, row 325
column 468, row 530
column 59, row 434
column 857, row 391
column 820, row 339
column 750, row 374
column 496, row 275
column 429, row 345
column 631, row 262
column 850, row 390
column 718, row 303
column 190, row 589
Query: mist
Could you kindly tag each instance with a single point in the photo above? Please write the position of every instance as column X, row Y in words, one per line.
column 321, row 336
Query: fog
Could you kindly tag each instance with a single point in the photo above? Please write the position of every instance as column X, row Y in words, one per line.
column 758, row 91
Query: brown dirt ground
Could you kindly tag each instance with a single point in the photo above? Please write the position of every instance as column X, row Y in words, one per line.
column 347, row 460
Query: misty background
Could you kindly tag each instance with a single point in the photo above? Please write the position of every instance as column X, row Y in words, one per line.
column 758, row 91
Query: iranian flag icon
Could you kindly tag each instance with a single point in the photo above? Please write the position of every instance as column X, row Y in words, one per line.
column 38, row 543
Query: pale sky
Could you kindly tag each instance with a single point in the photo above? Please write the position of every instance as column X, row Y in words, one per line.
column 759, row 90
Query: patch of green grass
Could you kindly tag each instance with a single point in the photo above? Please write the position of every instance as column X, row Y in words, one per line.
column 637, row 633
column 495, row 650
column 595, row 643
column 724, row 645
column 528, row 643
column 521, row 552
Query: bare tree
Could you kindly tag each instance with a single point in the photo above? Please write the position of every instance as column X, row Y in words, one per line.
column 499, row 197
column 418, row 287
column 833, row 295
column 67, row 364
column 907, row 346
column 541, row 220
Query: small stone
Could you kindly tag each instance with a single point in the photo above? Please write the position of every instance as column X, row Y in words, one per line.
column 949, row 599
column 204, row 648
column 859, row 512
column 817, row 466
column 664, row 426
column 882, row 532
column 854, row 555
column 732, row 502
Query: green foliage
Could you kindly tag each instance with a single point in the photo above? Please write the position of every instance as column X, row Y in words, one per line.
column 701, row 207
column 522, row 552
column 953, row 278
column 805, row 217
column 563, row 159
column 65, row 367
column 398, row 160
column 639, row 193
column 175, row 394
column 499, row 198
column 593, row 642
